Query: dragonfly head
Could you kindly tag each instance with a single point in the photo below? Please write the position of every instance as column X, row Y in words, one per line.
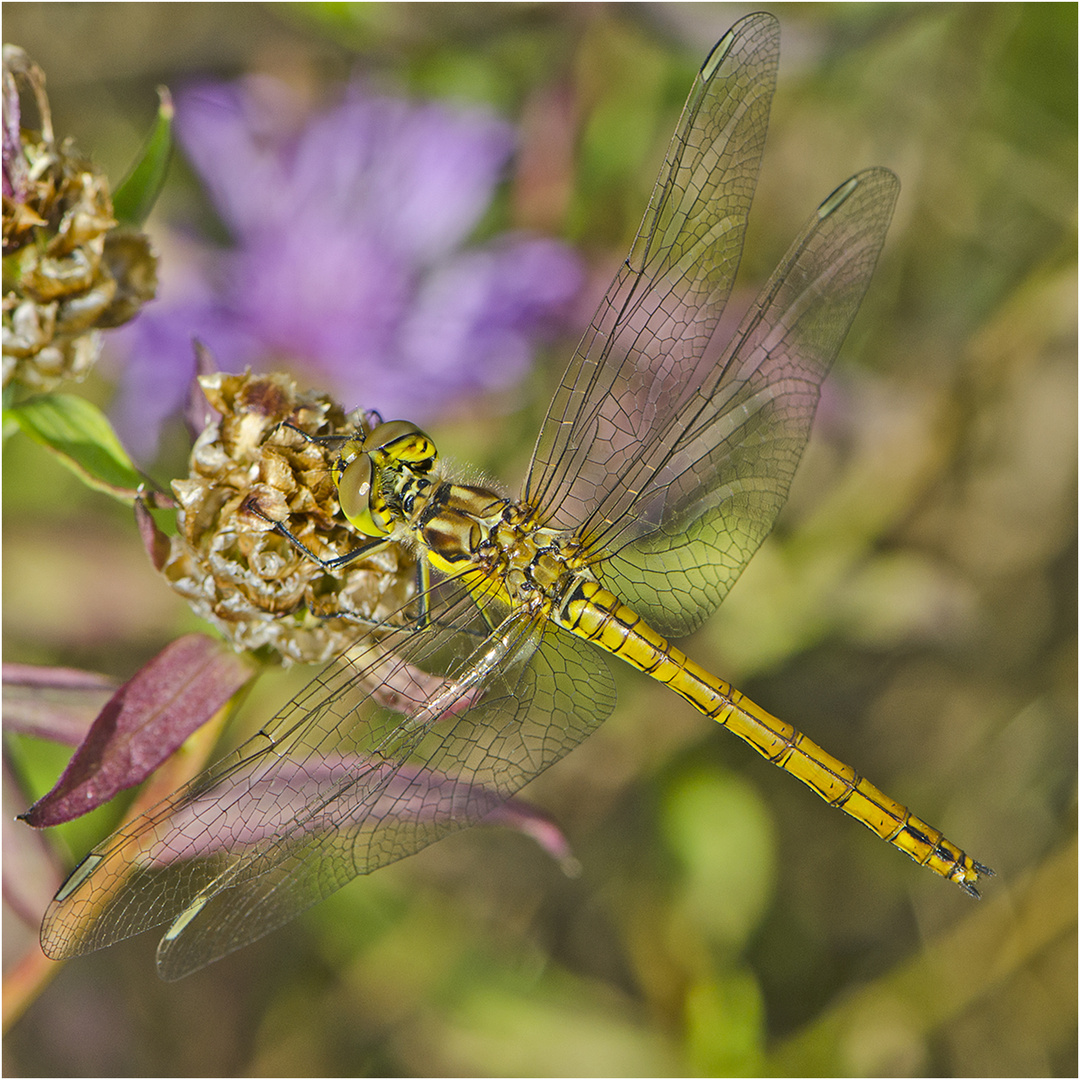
column 370, row 469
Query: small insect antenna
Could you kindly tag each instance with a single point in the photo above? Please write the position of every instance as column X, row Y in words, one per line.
column 332, row 442
column 362, row 421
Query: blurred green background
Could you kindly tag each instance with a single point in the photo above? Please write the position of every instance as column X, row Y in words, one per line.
column 914, row 611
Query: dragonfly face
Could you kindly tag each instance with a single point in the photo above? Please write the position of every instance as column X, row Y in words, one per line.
column 381, row 476
column 662, row 463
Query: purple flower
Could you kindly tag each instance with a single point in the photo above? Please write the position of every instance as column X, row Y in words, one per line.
column 348, row 257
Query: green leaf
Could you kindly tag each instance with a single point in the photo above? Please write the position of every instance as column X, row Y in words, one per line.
column 724, row 1024
column 135, row 196
column 720, row 830
column 82, row 438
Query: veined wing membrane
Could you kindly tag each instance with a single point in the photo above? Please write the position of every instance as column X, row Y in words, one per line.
column 684, row 516
column 646, row 341
column 344, row 781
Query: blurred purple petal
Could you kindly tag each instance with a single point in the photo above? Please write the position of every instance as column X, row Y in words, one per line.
column 473, row 322
column 347, row 257
column 422, row 175
column 432, row 174
column 142, row 724
column 236, row 137
column 162, row 365
column 327, row 297
column 161, row 361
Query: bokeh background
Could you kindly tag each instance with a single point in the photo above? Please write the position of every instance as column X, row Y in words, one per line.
column 914, row 611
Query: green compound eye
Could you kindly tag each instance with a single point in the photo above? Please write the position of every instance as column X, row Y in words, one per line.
column 402, row 441
column 354, row 493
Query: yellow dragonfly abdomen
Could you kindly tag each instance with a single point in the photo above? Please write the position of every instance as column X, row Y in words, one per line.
column 597, row 615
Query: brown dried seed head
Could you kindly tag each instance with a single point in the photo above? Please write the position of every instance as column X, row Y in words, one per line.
column 251, row 582
column 69, row 269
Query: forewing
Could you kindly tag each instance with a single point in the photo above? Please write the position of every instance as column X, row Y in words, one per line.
column 644, row 349
column 346, row 779
column 694, row 505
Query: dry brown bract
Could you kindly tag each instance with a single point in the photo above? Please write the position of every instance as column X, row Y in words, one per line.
column 69, row 268
column 240, row 574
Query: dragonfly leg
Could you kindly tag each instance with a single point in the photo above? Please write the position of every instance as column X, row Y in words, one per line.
column 415, row 623
column 372, row 419
column 251, row 506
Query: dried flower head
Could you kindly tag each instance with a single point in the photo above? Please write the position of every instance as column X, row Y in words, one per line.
column 248, row 471
column 69, row 268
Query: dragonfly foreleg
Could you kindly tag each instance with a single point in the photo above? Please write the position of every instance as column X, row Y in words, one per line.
column 251, row 506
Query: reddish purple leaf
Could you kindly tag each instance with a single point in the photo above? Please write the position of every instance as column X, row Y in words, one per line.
column 527, row 819
column 53, row 703
column 346, row 791
column 142, row 724
column 410, row 690
column 58, row 678
column 155, row 542
column 198, row 412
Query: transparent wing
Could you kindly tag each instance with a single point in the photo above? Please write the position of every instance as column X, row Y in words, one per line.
column 394, row 746
column 668, row 453
column 647, row 340
column 682, row 516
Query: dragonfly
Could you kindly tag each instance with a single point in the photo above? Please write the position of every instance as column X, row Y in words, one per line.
column 663, row 461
